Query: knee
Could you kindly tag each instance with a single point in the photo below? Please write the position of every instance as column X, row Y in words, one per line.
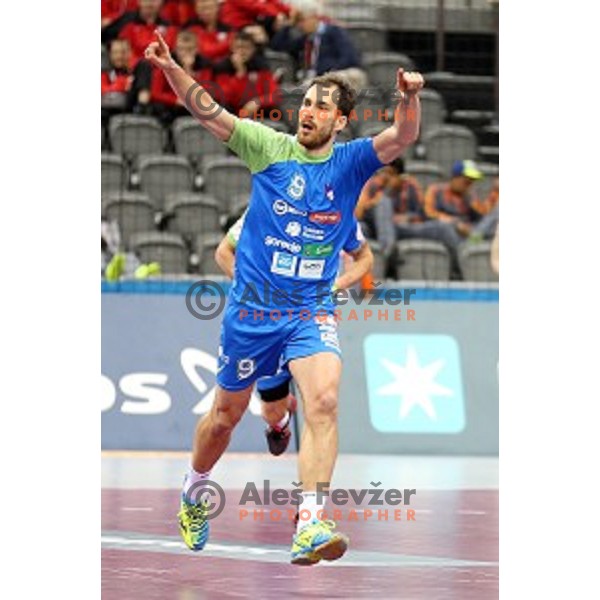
column 322, row 407
column 224, row 419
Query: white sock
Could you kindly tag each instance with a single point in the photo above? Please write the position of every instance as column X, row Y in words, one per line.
column 281, row 424
column 309, row 509
column 190, row 484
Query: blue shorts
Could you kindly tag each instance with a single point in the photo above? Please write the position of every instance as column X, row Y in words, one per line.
column 252, row 348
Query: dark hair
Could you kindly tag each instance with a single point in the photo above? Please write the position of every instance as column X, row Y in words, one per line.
column 244, row 36
column 345, row 98
column 398, row 165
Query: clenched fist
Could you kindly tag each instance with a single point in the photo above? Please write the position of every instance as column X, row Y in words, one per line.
column 410, row 82
column 158, row 53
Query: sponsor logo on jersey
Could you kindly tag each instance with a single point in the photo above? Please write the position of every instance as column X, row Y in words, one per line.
column 293, row 228
column 281, row 207
column 317, row 250
column 311, row 268
column 297, row 186
column 284, row 264
column 325, row 218
column 312, row 233
column 293, row 247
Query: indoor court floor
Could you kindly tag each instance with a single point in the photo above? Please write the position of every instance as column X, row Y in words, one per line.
column 449, row 550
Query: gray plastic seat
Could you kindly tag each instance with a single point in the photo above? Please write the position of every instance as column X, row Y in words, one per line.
column 162, row 175
column 168, row 249
column 206, row 244
column 433, row 110
column 281, row 64
column 195, row 141
column 370, row 37
column 382, row 67
column 133, row 135
column 425, row 172
column 191, row 214
column 474, row 261
column 224, row 178
column 369, row 108
column 133, row 211
column 372, row 128
column 446, row 144
column 422, row 260
column 114, row 173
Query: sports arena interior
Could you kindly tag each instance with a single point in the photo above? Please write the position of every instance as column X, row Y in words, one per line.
column 170, row 193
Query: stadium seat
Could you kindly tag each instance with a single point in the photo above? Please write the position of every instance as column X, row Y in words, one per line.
column 425, row 172
column 345, row 135
column 133, row 135
column 448, row 143
column 463, row 92
column 281, row 65
column 474, row 261
column 238, row 204
column 190, row 214
column 370, row 37
column 194, row 141
column 422, row 260
column 372, row 128
column 161, row 175
column 381, row 67
column 225, row 178
column 379, row 260
column 433, row 111
column 206, row 244
column 133, row 211
column 114, row 173
column 369, row 108
column 489, row 154
column 168, row 249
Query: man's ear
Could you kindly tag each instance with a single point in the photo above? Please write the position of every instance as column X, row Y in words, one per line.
column 340, row 123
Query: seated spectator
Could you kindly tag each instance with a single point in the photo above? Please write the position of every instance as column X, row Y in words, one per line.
column 138, row 28
column 214, row 37
column 319, row 47
column 240, row 13
column 178, row 12
column 111, row 10
column 484, row 230
column 391, row 204
column 122, row 87
column 165, row 103
column 244, row 80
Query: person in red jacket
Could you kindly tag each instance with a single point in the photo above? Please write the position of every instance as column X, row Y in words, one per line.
column 165, row 103
column 138, row 27
column 122, row 87
column 246, row 84
column 178, row 12
column 239, row 13
column 214, row 37
column 110, row 10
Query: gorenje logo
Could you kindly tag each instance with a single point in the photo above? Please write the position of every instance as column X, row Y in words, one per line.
column 289, row 246
column 325, row 218
column 317, row 250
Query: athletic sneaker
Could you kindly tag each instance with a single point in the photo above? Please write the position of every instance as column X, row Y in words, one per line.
column 279, row 439
column 193, row 525
column 316, row 541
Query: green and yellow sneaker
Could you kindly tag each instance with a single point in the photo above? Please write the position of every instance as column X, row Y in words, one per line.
column 316, row 541
column 193, row 525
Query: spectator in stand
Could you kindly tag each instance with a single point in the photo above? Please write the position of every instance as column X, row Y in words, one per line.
column 110, row 10
column 214, row 37
column 138, row 28
column 165, row 103
column 485, row 229
column 122, row 87
column 318, row 46
column 178, row 12
column 239, row 13
column 244, row 80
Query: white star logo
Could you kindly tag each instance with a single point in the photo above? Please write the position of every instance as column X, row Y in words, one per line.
column 415, row 383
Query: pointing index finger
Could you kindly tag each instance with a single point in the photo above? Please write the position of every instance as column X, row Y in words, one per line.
column 161, row 40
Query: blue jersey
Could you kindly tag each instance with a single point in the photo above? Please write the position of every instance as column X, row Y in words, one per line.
column 300, row 216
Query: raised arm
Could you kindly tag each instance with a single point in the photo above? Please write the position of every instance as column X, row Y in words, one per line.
column 197, row 100
column 393, row 141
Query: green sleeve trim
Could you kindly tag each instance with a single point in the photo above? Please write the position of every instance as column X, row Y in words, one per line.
column 232, row 240
column 258, row 145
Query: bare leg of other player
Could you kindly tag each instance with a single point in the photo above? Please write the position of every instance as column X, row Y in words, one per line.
column 318, row 377
column 273, row 412
column 213, row 431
